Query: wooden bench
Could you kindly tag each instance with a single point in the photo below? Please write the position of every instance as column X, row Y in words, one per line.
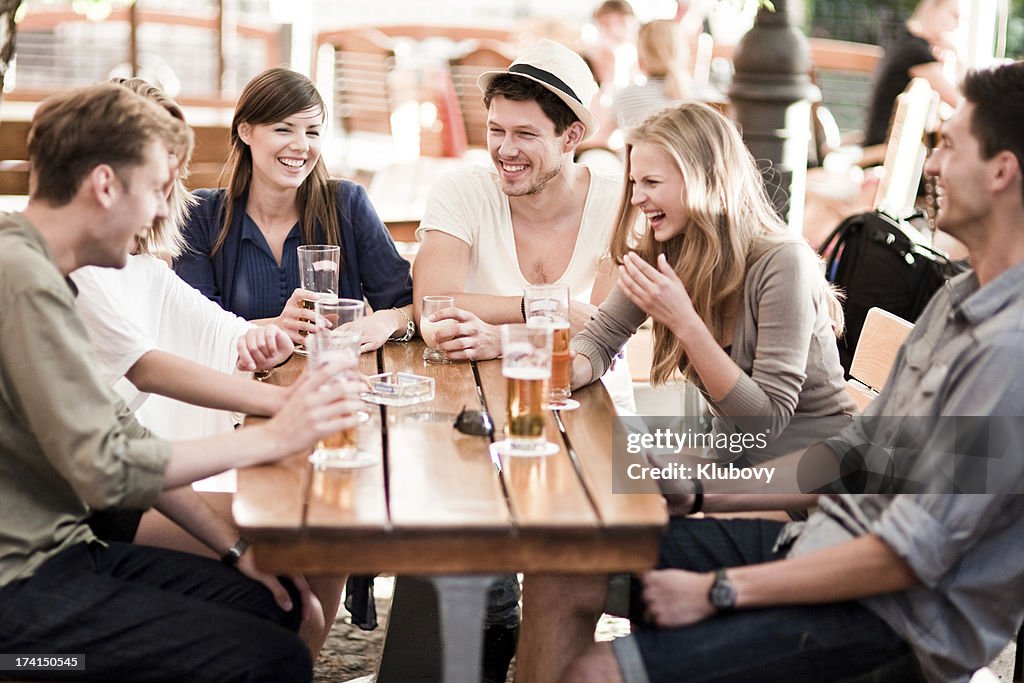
column 208, row 157
column 880, row 340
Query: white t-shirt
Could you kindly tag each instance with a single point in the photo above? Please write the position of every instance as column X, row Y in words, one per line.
column 468, row 204
column 145, row 306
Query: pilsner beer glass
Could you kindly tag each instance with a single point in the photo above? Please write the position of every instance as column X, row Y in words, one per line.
column 429, row 329
column 526, row 366
column 334, row 313
column 340, row 346
column 318, row 272
column 547, row 306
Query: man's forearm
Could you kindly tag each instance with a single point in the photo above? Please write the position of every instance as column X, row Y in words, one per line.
column 495, row 310
column 860, row 568
column 187, row 509
column 200, row 458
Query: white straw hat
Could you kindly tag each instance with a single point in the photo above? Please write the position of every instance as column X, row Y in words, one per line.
column 561, row 71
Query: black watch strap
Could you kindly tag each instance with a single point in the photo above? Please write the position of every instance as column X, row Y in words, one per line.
column 236, row 551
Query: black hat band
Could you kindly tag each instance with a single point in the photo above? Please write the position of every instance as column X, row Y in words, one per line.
column 545, row 77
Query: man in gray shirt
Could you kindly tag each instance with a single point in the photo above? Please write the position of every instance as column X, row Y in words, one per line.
column 916, row 580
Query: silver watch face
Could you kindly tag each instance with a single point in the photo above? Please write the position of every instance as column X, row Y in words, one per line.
column 722, row 595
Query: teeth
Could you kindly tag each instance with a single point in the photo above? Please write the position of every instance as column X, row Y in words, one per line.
column 513, row 169
column 293, row 163
column 654, row 215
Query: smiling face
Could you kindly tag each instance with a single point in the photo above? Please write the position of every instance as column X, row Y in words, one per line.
column 523, row 145
column 658, row 189
column 285, row 152
column 961, row 174
column 136, row 200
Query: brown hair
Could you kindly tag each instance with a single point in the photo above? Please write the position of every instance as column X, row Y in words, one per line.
column 519, row 89
column 998, row 98
column 730, row 222
column 165, row 237
column 74, row 132
column 270, row 97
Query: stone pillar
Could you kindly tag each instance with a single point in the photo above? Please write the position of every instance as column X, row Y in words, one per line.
column 771, row 96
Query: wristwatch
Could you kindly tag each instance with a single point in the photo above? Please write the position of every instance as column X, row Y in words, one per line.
column 722, row 594
column 236, row 551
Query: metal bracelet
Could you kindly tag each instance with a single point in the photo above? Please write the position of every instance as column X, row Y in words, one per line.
column 410, row 327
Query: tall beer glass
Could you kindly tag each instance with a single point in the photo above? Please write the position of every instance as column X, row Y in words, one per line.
column 429, row 329
column 339, row 346
column 526, row 366
column 335, row 313
column 319, row 265
column 547, row 306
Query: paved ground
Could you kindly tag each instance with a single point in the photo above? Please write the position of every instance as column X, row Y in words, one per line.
column 352, row 653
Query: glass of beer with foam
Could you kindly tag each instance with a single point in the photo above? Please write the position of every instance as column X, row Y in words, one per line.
column 339, row 346
column 526, row 366
column 547, row 306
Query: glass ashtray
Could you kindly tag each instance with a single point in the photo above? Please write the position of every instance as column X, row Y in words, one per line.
column 398, row 389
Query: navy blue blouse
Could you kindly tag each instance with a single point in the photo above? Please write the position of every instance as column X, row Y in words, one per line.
column 244, row 278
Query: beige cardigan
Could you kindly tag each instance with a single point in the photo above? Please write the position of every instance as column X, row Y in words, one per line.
column 783, row 342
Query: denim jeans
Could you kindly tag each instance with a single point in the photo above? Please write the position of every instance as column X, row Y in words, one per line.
column 148, row 614
column 821, row 643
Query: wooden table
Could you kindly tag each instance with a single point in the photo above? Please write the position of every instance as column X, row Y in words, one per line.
column 437, row 504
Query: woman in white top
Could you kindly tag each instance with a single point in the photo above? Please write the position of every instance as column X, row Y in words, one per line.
column 663, row 58
column 155, row 334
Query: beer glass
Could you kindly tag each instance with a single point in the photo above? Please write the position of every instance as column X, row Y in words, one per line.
column 334, row 313
column 318, row 272
column 429, row 329
column 526, row 366
column 339, row 346
column 547, row 306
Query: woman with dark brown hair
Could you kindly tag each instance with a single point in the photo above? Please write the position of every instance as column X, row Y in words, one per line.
column 242, row 240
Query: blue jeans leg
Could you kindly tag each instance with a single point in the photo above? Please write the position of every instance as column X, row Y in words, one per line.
column 148, row 614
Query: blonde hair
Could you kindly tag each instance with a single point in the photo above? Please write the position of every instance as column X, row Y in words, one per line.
column 661, row 54
column 730, row 223
column 165, row 238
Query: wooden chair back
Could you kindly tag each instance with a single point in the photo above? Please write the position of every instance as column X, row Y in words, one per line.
column 916, row 112
column 212, row 144
column 880, row 340
column 14, row 157
column 488, row 55
column 208, row 156
column 363, row 63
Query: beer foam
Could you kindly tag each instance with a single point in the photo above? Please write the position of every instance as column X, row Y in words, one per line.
column 526, row 373
column 326, row 264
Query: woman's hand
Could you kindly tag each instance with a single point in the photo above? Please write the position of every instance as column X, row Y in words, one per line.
column 263, row 348
column 295, row 318
column 659, row 292
column 463, row 336
column 674, row 598
column 375, row 329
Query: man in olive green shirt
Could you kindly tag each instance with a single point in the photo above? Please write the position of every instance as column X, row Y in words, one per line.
column 102, row 161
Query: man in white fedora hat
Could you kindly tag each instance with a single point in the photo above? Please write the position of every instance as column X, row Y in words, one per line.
column 535, row 217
